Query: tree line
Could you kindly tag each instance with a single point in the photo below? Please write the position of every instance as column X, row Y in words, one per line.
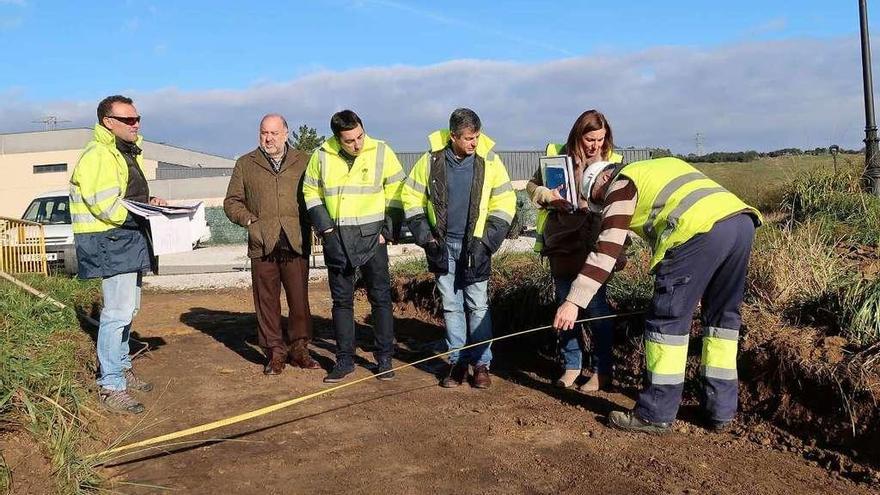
column 748, row 156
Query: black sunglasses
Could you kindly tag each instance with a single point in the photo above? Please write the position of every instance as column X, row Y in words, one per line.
column 126, row 120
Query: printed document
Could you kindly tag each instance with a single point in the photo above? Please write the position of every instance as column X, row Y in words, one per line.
column 173, row 229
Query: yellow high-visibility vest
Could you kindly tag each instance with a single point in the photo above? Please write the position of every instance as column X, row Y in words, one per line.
column 99, row 183
column 358, row 195
column 496, row 197
column 676, row 202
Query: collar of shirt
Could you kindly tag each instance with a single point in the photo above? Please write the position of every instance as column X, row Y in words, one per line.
column 276, row 165
column 127, row 147
column 349, row 159
column 455, row 161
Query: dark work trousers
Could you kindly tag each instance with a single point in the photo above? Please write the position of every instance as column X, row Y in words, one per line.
column 268, row 274
column 375, row 273
column 711, row 268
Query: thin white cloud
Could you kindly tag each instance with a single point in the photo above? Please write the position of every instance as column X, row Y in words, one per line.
column 763, row 95
column 19, row 3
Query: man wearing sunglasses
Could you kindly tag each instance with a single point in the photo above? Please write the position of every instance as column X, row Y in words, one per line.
column 112, row 244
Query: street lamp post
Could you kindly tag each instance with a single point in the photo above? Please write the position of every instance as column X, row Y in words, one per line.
column 871, row 176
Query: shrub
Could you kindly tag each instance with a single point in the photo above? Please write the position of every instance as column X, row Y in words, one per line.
column 835, row 197
column 222, row 230
column 861, row 316
column 524, row 217
column 794, row 269
column 632, row 288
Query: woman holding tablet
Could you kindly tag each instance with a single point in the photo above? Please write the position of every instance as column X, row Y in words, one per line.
column 566, row 233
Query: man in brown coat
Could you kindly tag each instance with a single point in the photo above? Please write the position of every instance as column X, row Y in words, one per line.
column 265, row 195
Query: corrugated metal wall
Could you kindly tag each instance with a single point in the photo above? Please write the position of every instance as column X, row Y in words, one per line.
column 174, row 171
column 521, row 165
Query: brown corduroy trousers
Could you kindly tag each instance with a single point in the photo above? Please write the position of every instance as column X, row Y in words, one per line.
column 268, row 274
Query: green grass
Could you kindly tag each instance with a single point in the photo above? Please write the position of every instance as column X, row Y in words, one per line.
column 862, row 315
column 835, row 199
column 46, row 365
column 761, row 183
column 410, row 267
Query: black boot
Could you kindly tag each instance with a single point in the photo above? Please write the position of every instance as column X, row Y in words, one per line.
column 383, row 369
column 630, row 421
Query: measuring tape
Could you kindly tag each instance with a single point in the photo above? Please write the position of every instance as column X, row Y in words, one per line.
column 282, row 405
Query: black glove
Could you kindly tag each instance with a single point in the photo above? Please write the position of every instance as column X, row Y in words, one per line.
column 562, row 205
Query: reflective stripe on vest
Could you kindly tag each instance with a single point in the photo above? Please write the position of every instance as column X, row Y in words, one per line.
column 675, row 202
column 97, row 197
column 352, row 204
column 349, row 189
column 664, row 195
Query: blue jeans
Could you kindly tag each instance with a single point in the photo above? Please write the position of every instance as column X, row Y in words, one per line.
column 460, row 298
column 571, row 341
column 122, row 299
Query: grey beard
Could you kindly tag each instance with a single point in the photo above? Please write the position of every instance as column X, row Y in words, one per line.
column 275, row 157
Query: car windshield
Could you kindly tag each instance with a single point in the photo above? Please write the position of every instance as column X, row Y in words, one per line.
column 49, row 211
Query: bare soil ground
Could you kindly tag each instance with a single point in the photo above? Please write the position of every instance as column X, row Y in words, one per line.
column 31, row 472
column 409, row 435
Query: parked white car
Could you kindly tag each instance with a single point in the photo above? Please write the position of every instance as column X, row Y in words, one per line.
column 52, row 209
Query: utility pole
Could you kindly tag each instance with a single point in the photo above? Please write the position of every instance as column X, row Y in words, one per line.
column 871, row 176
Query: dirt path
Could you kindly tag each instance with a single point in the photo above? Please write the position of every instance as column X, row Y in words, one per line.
column 408, row 435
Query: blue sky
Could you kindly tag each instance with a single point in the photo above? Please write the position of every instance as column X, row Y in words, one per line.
column 67, row 55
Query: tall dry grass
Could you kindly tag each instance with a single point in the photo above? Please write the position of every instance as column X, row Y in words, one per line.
column 793, row 268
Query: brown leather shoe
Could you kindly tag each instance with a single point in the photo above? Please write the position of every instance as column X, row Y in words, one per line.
column 274, row 366
column 300, row 357
column 481, row 377
column 455, row 375
column 304, row 361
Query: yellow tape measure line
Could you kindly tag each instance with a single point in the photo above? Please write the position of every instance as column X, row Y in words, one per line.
column 281, row 405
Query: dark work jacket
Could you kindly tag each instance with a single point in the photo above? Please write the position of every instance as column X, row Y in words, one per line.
column 476, row 252
column 112, row 252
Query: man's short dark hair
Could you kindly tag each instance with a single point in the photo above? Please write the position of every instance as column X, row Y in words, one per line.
column 463, row 119
column 345, row 120
column 106, row 105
